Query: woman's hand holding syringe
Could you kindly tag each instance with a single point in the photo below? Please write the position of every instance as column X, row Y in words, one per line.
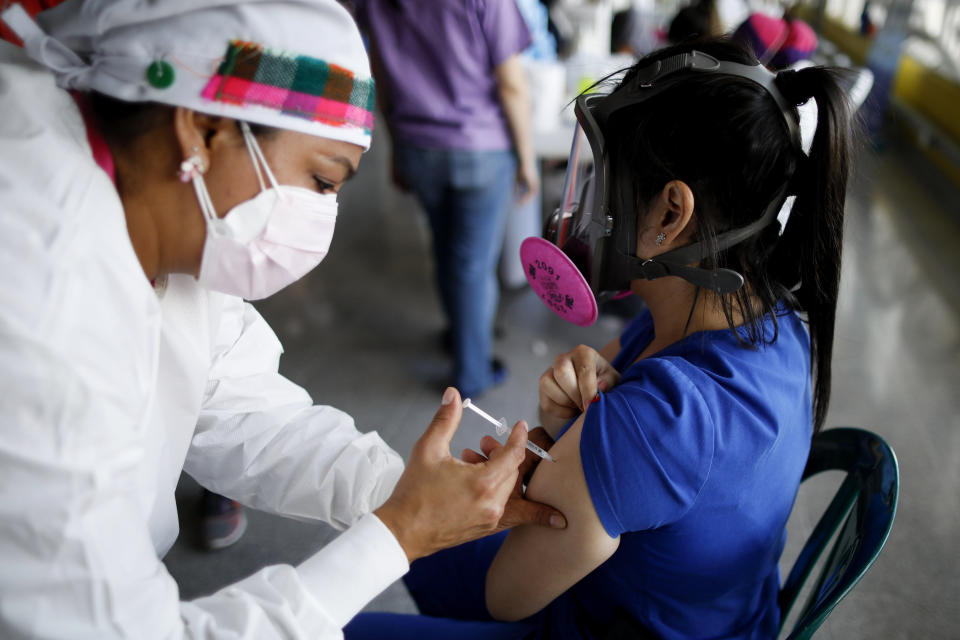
column 440, row 502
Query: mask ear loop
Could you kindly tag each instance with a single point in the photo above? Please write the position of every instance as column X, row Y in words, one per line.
column 203, row 196
column 258, row 158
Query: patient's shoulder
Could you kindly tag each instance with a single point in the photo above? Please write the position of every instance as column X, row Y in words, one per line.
column 646, row 448
column 537, row 564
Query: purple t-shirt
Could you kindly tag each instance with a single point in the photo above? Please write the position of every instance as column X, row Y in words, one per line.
column 439, row 57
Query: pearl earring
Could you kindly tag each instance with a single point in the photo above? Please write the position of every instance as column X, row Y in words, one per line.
column 192, row 166
column 660, row 238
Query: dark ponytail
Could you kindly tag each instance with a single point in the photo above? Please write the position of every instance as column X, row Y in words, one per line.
column 809, row 251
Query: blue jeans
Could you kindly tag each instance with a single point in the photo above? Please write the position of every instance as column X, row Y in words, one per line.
column 466, row 195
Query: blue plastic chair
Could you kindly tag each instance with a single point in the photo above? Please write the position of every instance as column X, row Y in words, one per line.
column 861, row 513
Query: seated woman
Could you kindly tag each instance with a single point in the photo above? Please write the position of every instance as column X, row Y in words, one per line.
column 677, row 479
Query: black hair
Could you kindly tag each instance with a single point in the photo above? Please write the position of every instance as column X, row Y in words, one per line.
column 121, row 122
column 726, row 138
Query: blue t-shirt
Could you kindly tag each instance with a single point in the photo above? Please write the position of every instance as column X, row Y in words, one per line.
column 694, row 459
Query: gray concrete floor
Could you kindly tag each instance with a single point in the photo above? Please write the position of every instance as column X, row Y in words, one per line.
column 362, row 333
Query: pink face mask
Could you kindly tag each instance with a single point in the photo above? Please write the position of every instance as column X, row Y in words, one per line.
column 268, row 242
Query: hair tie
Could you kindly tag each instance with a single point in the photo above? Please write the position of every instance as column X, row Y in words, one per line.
column 792, row 87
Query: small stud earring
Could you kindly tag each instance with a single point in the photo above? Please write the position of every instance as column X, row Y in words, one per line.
column 192, row 166
column 660, row 238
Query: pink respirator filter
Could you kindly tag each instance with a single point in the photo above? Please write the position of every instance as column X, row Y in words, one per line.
column 559, row 283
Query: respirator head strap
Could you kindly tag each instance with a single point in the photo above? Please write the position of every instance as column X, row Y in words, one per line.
column 677, row 262
column 649, row 81
column 718, row 280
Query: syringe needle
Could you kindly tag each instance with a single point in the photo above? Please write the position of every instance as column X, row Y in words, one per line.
column 540, row 452
column 501, row 427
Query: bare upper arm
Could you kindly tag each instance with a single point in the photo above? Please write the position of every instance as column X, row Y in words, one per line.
column 509, row 74
column 537, row 564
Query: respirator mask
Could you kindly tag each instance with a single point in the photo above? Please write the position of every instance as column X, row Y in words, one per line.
column 587, row 253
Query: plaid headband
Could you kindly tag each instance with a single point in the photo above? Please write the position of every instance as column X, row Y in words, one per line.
column 295, row 85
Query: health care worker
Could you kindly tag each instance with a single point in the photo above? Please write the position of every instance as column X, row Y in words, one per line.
column 127, row 353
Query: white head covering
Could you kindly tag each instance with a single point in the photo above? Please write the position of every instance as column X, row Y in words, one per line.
column 298, row 65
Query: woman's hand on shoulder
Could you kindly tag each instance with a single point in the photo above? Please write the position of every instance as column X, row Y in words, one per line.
column 571, row 383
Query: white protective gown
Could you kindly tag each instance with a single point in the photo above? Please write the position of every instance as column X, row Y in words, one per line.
column 109, row 388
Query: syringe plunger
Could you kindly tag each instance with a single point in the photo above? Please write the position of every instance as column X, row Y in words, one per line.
column 501, row 426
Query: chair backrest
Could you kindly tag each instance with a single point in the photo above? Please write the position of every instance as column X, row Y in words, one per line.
column 861, row 513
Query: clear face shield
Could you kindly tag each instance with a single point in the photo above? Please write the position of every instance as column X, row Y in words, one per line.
column 587, row 253
column 581, row 217
column 578, row 186
column 559, row 265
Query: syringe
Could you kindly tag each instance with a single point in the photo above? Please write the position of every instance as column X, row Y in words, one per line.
column 501, row 426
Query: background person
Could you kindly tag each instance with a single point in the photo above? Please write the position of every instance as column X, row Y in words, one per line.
column 454, row 94
column 197, row 164
column 697, row 20
column 636, row 30
column 778, row 43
